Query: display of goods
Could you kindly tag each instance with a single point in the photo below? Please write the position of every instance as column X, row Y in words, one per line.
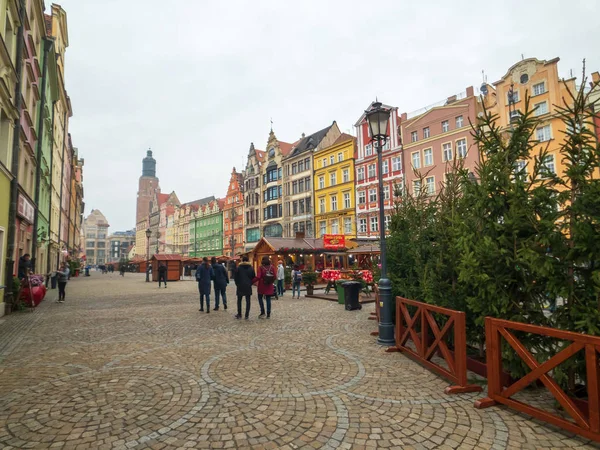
column 37, row 294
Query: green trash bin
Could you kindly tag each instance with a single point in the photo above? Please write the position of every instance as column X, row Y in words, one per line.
column 340, row 292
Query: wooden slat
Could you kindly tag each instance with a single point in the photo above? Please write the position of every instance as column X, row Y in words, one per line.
column 441, row 344
column 591, row 363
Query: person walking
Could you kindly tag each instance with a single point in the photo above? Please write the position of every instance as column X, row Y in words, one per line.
column 220, row 283
column 266, row 285
column 162, row 274
column 244, row 276
column 63, row 277
column 280, row 278
column 204, row 275
column 296, row 280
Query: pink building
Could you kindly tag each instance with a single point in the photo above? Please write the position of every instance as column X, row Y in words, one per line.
column 437, row 137
column 367, row 175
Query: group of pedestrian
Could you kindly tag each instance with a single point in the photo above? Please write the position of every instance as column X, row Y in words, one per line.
column 245, row 277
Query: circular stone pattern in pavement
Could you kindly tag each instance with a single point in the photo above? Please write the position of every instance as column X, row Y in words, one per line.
column 89, row 407
column 285, row 371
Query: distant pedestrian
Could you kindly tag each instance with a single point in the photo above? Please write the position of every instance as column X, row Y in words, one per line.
column 63, row 277
column 296, row 280
column 280, row 278
column 204, row 275
column 220, row 283
column 162, row 274
column 122, row 269
column 266, row 285
column 244, row 277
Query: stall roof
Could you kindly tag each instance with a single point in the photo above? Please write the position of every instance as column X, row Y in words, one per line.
column 162, row 257
column 365, row 248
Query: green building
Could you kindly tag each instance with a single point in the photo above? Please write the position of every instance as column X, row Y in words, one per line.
column 43, row 196
column 206, row 230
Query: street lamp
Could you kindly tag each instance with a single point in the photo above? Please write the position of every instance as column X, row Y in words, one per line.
column 377, row 118
column 148, row 234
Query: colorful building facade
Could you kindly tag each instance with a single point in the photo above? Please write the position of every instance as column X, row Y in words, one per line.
column 252, row 197
column 233, row 216
column 206, row 230
column 334, row 188
column 367, row 175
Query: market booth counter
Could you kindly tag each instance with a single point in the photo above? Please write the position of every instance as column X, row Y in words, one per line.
column 173, row 263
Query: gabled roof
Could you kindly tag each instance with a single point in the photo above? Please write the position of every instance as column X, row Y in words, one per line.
column 285, row 148
column 260, row 155
column 221, row 203
column 162, row 198
column 200, row 201
column 311, row 141
column 343, row 138
column 363, row 115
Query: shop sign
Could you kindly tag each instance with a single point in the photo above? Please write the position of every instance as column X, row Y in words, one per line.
column 25, row 209
column 334, row 241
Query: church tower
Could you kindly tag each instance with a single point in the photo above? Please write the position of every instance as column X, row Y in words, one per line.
column 148, row 187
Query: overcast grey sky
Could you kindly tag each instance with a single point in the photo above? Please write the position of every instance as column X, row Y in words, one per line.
column 198, row 81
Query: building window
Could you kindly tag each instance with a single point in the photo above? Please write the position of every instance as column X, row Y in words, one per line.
column 548, row 167
column 416, row 160
column 335, row 226
column 396, row 164
column 387, row 221
column 368, row 149
column 307, row 164
column 324, row 162
column 333, row 178
column 360, row 173
column 445, row 126
column 428, row 156
column 372, row 172
column 331, row 160
column 340, row 157
column 322, row 227
column 362, row 225
column 345, row 175
column 301, row 166
column 461, row 148
column 541, row 108
column 385, row 167
column 515, row 97
column 414, row 136
column 346, row 200
column 321, row 205
column 374, row 223
column 416, row 187
column 294, row 168
column 362, row 197
column 386, row 192
column 347, row 225
column 521, row 170
column 447, row 152
column 425, row 132
column 539, row 88
column 372, row 195
column 321, row 182
column 459, row 122
column 543, row 133
column 430, row 182
column 334, row 202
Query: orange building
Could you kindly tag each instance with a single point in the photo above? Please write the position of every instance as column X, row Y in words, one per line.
column 233, row 216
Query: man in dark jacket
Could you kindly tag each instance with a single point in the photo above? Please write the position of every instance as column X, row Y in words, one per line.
column 204, row 274
column 244, row 276
column 162, row 274
column 220, row 283
column 24, row 266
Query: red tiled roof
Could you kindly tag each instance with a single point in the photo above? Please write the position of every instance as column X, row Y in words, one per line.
column 162, row 198
column 286, row 147
column 260, row 155
column 162, row 257
column 222, row 202
column 343, row 138
column 48, row 20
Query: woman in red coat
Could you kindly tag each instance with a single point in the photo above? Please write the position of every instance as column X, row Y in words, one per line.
column 266, row 276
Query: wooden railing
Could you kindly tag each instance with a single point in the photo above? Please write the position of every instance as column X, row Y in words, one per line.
column 416, row 328
column 585, row 422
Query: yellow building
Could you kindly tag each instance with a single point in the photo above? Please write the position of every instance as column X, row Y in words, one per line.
column 538, row 80
column 334, row 188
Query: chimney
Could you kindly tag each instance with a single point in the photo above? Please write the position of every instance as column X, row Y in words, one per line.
column 404, row 117
column 470, row 91
column 451, row 99
column 303, row 135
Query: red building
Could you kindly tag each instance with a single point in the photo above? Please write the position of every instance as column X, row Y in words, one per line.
column 437, row 138
column 233, row 216
column 367, row 175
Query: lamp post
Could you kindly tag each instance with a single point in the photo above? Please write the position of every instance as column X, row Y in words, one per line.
column 377, row 118
column 148, row 234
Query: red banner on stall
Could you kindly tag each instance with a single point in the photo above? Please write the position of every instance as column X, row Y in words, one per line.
column 334, row 241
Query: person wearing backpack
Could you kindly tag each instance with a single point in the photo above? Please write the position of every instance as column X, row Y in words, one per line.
column 266, row 276
column 296, row 280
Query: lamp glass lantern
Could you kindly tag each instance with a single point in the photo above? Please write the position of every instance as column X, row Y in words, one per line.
column 148, row 233
column 377, row 118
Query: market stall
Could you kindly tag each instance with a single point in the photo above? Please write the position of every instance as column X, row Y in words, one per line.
column 173, row 263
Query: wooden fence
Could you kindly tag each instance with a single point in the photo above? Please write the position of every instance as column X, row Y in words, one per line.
column 585, row 421
column 416, row 328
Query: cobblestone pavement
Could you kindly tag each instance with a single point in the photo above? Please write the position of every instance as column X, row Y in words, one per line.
column 123, row 364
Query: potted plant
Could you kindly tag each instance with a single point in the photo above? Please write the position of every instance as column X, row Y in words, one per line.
column 287, row 278
column 309, row 279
